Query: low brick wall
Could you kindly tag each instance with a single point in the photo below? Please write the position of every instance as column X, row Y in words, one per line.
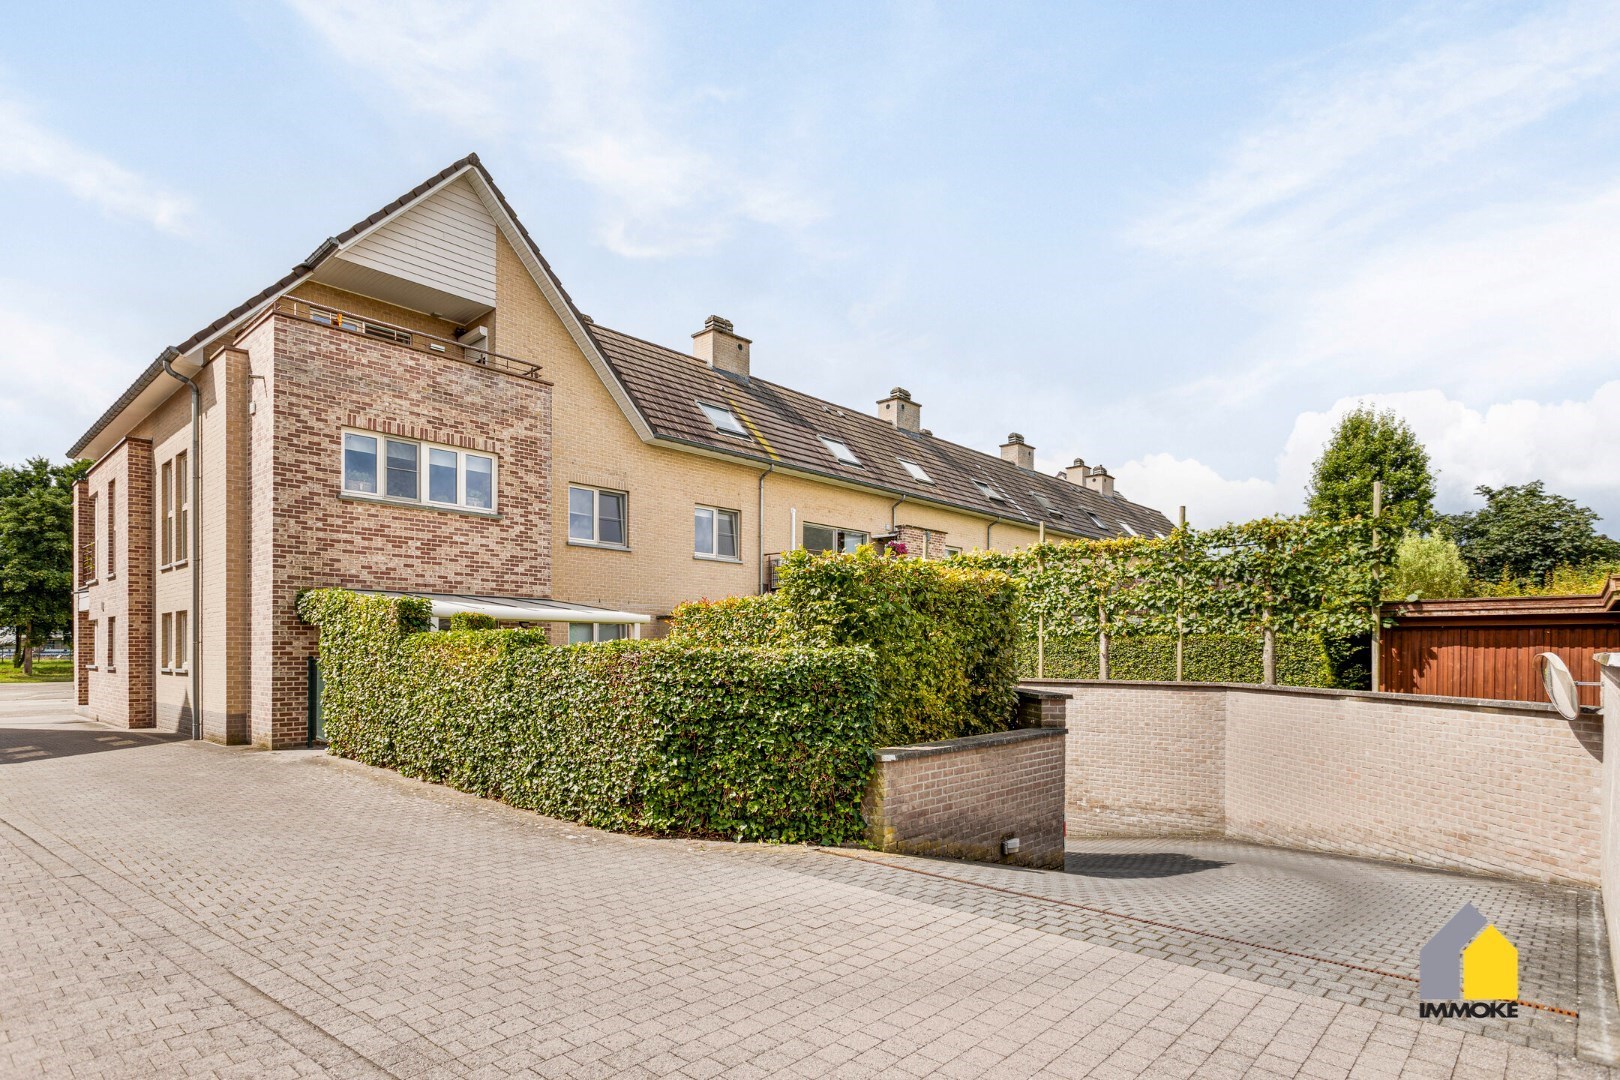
column 1504, row 788
column 963, row 798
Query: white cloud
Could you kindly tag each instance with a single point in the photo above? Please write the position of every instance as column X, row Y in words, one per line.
column 1347, row 146
column 1572, row 445
column 53, row 391
column 34, row 151
column 579, row 80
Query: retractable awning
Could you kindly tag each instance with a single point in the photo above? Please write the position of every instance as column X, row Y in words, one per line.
column 515, row 609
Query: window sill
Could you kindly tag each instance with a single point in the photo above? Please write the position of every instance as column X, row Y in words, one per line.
column 179, row 565
column 91, row 667
column 110, row 670
column 417, row 504
column 600, row 547
column 90, row 583
column 716, row 558
column 112, row 577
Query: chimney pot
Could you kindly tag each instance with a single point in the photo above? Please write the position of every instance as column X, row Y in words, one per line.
column 719, row 346
column 1098, row 480
column 1018, row 452
column 899, row 410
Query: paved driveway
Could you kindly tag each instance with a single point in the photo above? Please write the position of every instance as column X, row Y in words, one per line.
column 180, row 909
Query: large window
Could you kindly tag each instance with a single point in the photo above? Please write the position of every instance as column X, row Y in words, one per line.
column 830, row 538
column 392, row 468
column 596, row 516
column 583, row 633
column 714, row 533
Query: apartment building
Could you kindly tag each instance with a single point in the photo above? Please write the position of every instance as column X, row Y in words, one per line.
column 419, row 407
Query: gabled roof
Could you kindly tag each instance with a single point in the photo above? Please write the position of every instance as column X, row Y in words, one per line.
column 787, row 425
column 658, row 389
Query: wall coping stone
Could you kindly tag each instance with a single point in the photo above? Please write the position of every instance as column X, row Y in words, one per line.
column 969, row 742
column 1494, row 705
column 1044, row 692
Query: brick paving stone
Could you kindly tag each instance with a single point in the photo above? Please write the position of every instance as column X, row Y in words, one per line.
column 175, row 909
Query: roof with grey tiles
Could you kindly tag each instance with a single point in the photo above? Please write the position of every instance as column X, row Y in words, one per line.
column 786, row 427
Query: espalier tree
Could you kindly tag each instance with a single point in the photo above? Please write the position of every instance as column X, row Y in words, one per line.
column 1260, row 579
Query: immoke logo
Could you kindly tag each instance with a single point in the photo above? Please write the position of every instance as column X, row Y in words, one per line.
column 1468, row 969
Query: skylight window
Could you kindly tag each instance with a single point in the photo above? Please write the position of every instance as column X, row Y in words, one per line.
column 723, row 419
column 1127, row 527
column 989, row 492
column 916, row 471
column 1095, row 520
column 1046, row 504
column 844, row 454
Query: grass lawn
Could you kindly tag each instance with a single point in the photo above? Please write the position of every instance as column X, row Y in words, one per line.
column 44, row 671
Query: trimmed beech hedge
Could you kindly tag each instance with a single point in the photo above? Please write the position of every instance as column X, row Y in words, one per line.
column 755, row 744
column 944, row 635
column 1301, row 660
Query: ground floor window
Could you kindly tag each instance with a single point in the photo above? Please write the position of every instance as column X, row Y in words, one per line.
column 832, row 538
column 580, row 633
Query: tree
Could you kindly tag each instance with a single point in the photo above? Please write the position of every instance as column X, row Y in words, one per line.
column 36, row 550
column 1524, row 533
column 1428, row 568
column 1370, row 445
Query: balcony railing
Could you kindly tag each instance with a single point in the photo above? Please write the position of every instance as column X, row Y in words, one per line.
column 449, row 348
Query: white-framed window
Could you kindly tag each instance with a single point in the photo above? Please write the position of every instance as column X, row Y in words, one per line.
column 182, row 505
column 1127, row 527
column 597, row 516
column 406, row 470
column 952, row 551
column 166, row 644
column 723, row 419
column 112, row 643
column 842, row 453
column 832, row 538
column 714, row 533
column 182, row 643
column 583, row 633
column 916, row 471
column 989, row 492
column 166, row 488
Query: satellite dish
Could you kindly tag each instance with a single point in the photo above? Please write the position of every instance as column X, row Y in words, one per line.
column 1560, row 685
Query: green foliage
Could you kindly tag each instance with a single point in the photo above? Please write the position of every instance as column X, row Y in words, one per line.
column 1370, row 445
column 36, row 549
column 1301, row 660
column 943, row 635
column 472, row 620
column 746, row 621
column 1524, row 534
column 44, row 671
column 1427, row 568
column 754, row 744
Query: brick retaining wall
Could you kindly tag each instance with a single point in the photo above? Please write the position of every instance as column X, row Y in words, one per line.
column 1504, row 788
column 964, row 797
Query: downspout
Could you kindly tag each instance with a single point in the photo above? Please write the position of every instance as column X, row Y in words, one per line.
column 194, row 654
column 759, row 526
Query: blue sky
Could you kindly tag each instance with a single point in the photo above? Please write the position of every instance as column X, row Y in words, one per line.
column 1175, row 239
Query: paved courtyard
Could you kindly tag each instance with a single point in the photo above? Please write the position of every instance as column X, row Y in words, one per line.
column 177, row 909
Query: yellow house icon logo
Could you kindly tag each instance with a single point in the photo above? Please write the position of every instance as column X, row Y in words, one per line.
column 1469, row 968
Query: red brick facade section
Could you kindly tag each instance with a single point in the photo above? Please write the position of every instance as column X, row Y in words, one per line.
column 306, row 533
column 1502, row 788
column 965, row 797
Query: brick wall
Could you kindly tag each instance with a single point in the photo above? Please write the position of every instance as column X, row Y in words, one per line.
column 1509, row 789
column 964, row 797
column 305, row 533
column 114, row 674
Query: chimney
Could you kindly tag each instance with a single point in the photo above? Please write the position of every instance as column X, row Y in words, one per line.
column 1076, row 473
column 899, row 410
column 1099, row 481
column 1019, row 452
column 718, row 346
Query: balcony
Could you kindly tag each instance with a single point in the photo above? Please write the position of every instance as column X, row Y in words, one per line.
column 416, row 340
